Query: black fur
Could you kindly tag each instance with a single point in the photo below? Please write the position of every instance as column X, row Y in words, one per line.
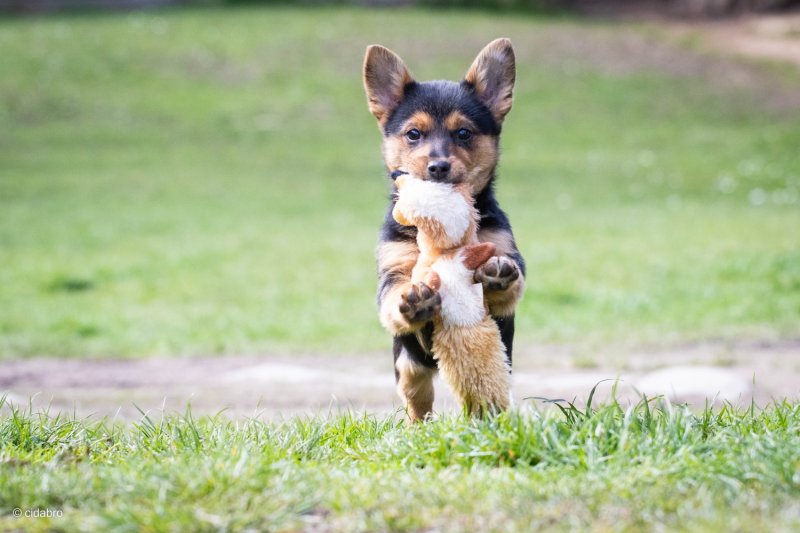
column 439, row 99
column 414, row 350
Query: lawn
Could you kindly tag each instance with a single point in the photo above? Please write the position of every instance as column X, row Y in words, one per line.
column 209, row 181
column 646, row 467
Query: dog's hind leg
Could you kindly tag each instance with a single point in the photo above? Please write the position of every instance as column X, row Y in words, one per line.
column 414, row 383
column 506, row 327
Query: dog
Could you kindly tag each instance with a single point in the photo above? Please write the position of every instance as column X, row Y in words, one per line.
column 447, row 132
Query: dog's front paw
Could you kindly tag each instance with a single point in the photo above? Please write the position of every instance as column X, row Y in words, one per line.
column 497, row 274
column 420, row 303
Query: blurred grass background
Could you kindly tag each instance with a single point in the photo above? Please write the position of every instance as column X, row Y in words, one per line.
column 204, row 181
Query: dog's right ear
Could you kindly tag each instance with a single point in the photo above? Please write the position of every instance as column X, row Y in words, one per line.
column 385, row 80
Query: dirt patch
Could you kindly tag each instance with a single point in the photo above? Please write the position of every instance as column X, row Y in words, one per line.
column 275, row 386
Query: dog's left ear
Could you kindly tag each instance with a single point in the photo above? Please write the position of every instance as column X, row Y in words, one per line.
column 492, row 76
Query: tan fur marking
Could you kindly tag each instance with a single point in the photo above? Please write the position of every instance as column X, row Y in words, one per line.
column 395, row 152
column 389, row 314
column 472, row 166
column 503, row 240
column 502, row 303
column 415, row 387
column 400, row 156
column 398, row 258
column 479, row 161
column 421, row 121
column 455, row 121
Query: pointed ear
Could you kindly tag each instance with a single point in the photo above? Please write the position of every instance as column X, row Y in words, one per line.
column 385, row 79
column 492, row 76
column 477, row 254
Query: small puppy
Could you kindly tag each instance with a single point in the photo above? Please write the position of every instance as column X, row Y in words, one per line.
column 448, row 132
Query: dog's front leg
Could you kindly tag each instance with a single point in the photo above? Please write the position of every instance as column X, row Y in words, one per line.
column 503, row 280
column 503, row 284
column 407, row 307
column 502, row 276
column 404, row 307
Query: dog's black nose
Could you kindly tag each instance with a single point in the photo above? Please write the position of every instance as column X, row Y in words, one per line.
column 438, row 169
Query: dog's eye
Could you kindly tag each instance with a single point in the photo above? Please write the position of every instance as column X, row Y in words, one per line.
column 463, row 134
column 413, row 134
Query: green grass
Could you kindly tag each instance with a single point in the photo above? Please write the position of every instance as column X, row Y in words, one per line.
column 650, row 466
column 209, row 181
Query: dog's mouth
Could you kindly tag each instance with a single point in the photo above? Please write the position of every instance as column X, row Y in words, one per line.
column 451, row 179
column 397, row 173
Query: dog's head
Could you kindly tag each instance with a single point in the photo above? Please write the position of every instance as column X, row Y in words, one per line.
column 442, row 130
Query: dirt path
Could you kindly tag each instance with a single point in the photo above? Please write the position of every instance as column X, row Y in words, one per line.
column 278, row 386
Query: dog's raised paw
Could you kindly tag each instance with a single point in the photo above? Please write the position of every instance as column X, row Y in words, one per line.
column 420, row 303
column 497, row 274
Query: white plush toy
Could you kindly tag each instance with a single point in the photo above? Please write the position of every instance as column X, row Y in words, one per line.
column 466, row 340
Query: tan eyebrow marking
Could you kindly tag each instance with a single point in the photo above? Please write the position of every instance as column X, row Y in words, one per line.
column 421, row 121
column 457, row 120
